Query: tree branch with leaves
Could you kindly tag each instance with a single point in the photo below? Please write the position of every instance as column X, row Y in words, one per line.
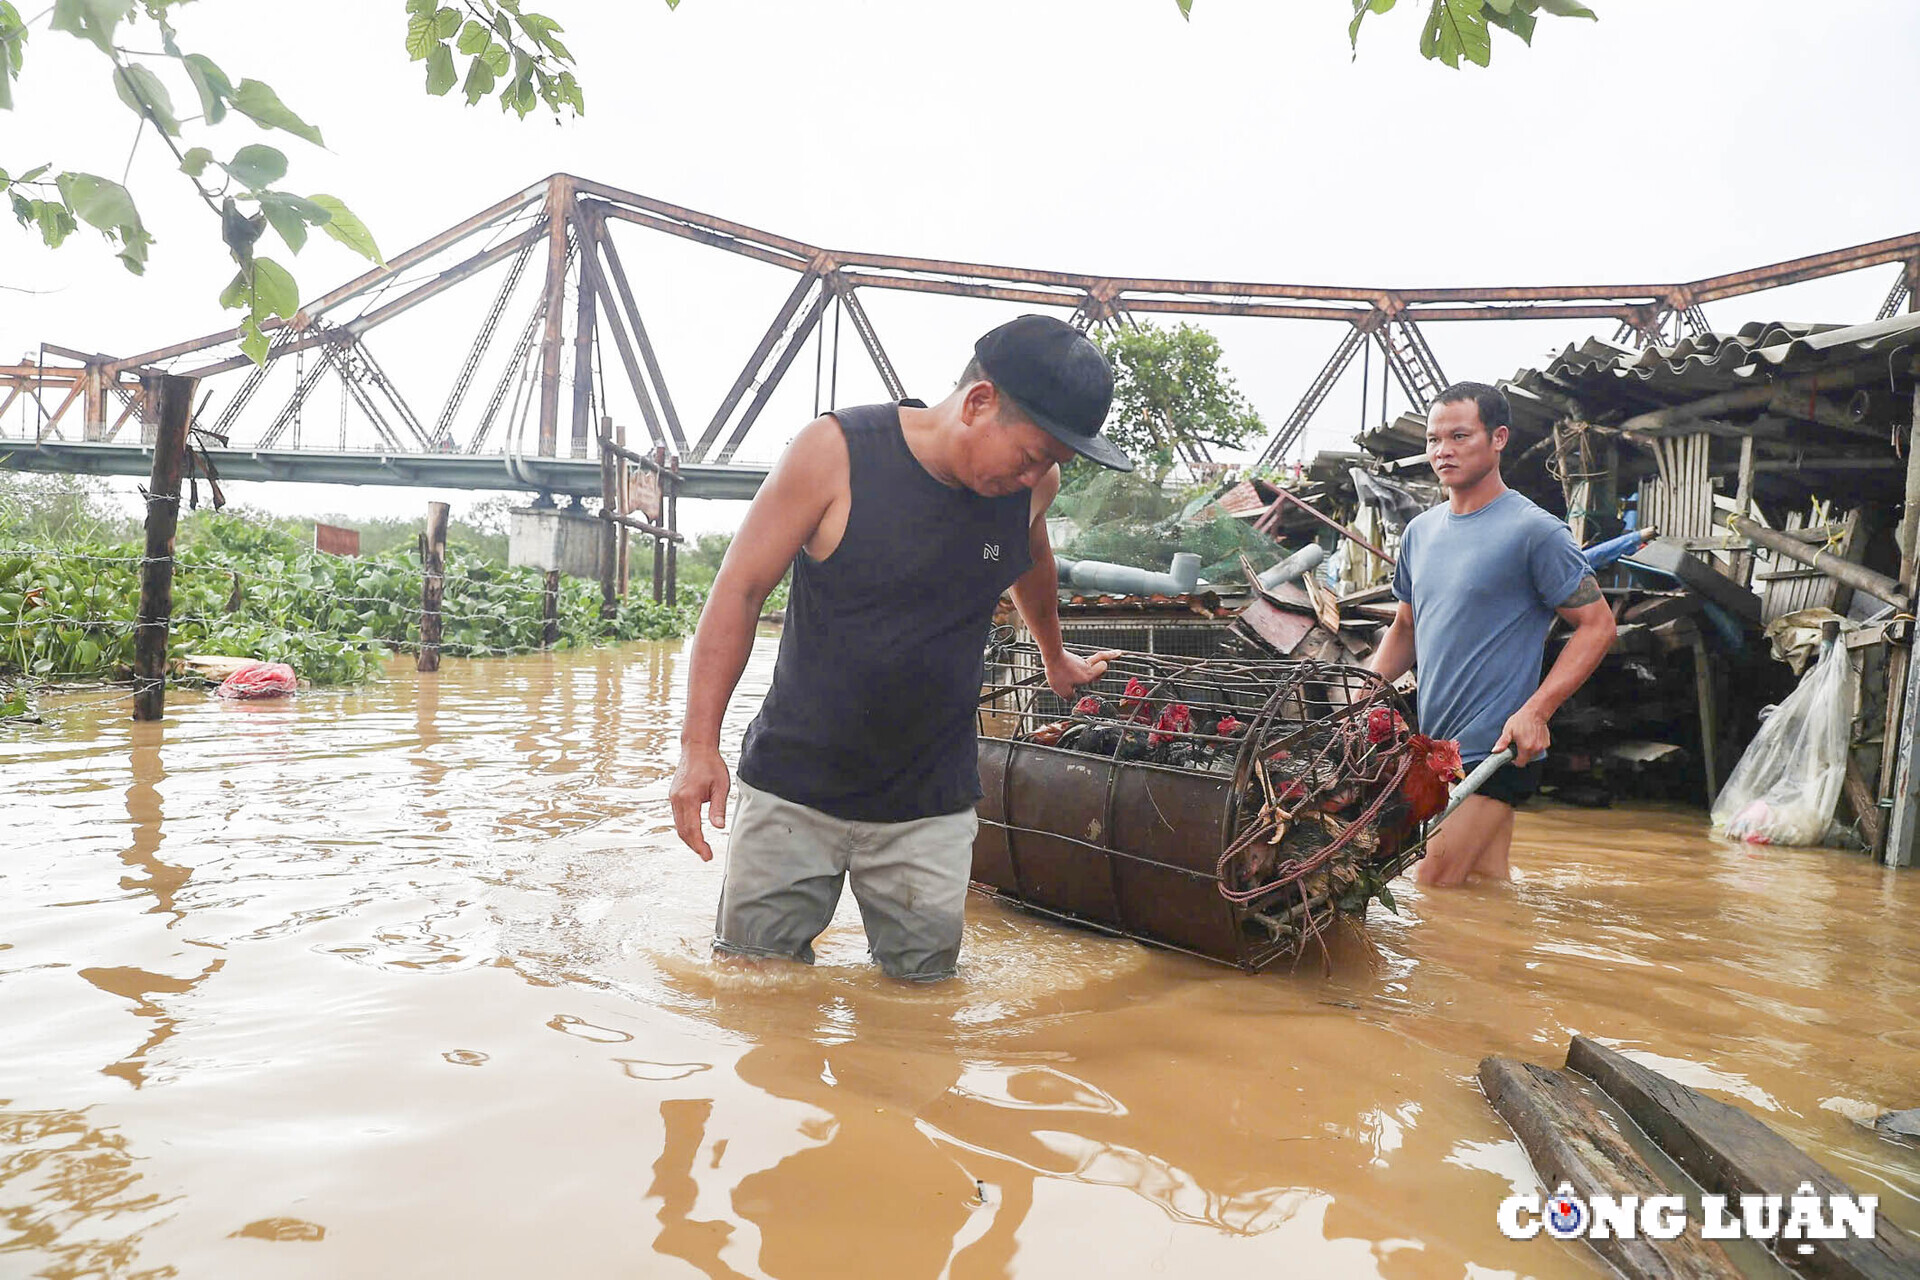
column 1170, row 388
column 511, row 53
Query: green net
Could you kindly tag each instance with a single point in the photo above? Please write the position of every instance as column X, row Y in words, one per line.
column 1128, row 518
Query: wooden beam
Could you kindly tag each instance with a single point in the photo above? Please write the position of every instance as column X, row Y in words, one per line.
column 175, row 397
column 1571, row 1143
column 1730, row 1153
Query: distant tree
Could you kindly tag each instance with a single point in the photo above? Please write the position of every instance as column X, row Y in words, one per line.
column 1169, row 387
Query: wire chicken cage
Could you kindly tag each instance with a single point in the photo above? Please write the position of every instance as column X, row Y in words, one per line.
column 1229, row 808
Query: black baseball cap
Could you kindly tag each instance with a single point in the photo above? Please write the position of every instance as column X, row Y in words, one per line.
column 1058, row 378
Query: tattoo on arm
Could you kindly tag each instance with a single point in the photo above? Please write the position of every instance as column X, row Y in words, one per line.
column 1588, row 592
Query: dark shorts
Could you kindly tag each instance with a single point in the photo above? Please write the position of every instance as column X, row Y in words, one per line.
column 1508, row 785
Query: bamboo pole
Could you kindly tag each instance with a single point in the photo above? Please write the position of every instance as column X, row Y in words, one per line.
column 1859, row 577
column 175, row 398
column 433, row 585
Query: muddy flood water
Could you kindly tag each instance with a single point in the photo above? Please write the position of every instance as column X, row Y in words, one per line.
column 413, row 981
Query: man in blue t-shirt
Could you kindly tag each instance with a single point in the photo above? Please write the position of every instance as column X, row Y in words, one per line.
column 1479, row 582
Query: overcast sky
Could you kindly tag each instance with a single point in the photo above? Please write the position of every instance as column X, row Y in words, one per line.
column 1671, row 140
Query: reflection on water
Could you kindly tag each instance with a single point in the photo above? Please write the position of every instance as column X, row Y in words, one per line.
column 413, row 980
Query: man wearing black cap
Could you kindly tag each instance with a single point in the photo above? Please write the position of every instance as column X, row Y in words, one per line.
column 903, row 525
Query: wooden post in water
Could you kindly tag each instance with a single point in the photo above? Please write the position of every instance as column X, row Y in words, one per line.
column 670, row 486
column 660, row 544
column 175, row 398
column 609, row 529
column 550, row 611
column 433, row 561
column 1903, row 827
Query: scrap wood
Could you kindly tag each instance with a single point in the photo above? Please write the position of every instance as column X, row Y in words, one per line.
column 1730, row 1153
column 1571, row 1143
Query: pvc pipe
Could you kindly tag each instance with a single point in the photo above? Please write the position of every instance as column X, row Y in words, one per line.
column 1294, row 567
column 1124, row 579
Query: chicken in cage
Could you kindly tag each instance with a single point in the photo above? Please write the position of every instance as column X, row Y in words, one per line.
column 1227, row 807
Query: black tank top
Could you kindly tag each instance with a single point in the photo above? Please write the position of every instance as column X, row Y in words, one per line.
column 870, row 717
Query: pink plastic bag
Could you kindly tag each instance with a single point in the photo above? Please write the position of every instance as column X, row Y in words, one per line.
column 259, row 680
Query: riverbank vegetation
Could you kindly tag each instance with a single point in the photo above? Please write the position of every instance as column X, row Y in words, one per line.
column 247, row 584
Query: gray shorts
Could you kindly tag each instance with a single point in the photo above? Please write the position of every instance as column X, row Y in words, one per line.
column 785, row 863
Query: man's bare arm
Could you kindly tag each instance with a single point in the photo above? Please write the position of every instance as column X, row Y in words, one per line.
column 1036, row 594
column 1587, row 613
column 1394, row 657
column 784, row 515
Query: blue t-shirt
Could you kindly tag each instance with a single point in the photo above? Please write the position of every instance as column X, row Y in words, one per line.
column 1484, row 588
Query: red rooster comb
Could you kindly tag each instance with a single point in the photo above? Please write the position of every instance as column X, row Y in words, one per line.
column 1175, row 719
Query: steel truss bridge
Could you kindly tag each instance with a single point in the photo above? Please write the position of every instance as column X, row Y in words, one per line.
column 502, row 423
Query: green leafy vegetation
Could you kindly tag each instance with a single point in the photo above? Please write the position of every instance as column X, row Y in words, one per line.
column 1133, row 518
column 251, row 587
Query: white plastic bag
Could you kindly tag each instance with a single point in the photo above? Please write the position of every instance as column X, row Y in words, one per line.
column 1787, row 784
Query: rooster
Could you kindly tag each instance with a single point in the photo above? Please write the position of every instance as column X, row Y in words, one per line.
column 1136, row 704
column 1423, row 793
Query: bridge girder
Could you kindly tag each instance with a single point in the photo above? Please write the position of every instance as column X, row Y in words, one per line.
column 570, row 217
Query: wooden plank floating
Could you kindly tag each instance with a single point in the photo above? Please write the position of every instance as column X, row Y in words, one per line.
column 1730, row 1153
column 1570, row 1142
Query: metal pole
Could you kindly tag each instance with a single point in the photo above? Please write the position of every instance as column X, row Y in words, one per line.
column 550, row 340
column 583, row 353
column 626, row 534
column 433, row 585
column 175, row 398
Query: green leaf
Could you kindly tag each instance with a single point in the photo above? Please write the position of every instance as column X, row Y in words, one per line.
column 343, row 226
column 440, row 73
column 474, row 37
column 1456, row 29
column 211, row 83
column 98, row 201
column 543, row 31
column 255, row 166
column 55, row 223
column 1361, row 8
column 480, row 81
column 238, row 293
column 1386, row 899
column 253, row 343
column 497, row 58
column 31, row 175
column 422, row 7
column 90, row 19
column 262, row 105
column 143, row 93
column 421, row 39
column 1520, row 21
column 1568, row 9
column 1186, row 8
column 23, row 209
column 274, row 292
column 195, row 162
column 240, row 231
column 446, row 22
column 290, row 215
column 13, row 51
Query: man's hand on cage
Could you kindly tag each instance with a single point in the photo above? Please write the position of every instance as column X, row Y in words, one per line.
column 699, row 782
column 1066, row 672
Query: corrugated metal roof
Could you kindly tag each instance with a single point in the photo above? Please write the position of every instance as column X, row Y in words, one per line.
column 1607, row 379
